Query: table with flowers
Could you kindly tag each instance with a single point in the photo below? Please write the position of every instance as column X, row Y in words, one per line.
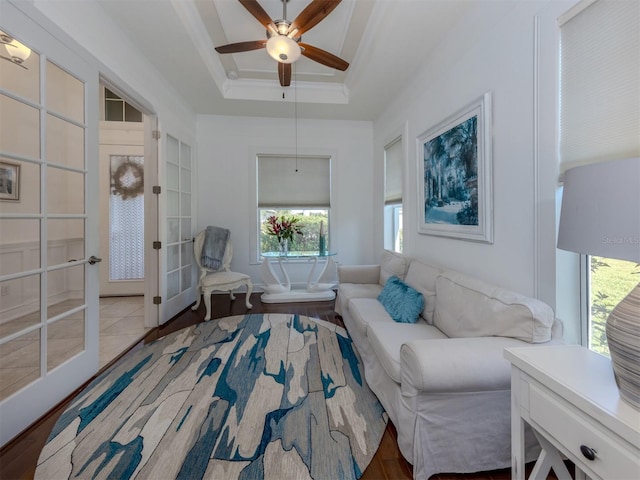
column 319, row 285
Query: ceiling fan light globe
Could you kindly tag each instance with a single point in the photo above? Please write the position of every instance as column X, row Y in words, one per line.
column 283, row 49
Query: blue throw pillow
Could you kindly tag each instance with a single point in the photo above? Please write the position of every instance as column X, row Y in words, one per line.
column 403, row 303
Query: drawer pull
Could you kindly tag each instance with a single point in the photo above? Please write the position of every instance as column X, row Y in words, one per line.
column 589, row 453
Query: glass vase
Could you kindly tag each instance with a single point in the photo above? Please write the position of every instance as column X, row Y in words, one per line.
column 284, row 247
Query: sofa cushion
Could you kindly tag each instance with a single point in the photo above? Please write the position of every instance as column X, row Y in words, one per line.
column 402, row 302
column 467, row 307
column 364, row 311
column 422, row 277
column 386, row 340
column 392, row 264
column 348, row 291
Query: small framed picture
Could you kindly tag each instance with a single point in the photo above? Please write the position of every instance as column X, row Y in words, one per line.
column 9, row 181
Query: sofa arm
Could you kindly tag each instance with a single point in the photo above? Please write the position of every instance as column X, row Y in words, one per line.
column 455, row 365
column 359, row 274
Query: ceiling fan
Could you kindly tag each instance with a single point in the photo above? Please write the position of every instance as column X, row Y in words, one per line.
column 283, row 37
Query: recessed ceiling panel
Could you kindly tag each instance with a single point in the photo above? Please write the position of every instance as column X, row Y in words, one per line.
column 239, row 26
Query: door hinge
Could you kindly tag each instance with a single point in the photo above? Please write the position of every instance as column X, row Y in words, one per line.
column 156, row 189
column 157, row 245
column 156, row 134
column 157, row 300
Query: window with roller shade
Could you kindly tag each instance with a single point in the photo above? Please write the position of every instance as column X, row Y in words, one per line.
column 295, row 186
column 393, row 172
column 600, row 121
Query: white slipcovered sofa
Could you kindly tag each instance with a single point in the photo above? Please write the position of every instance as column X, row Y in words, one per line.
column 443, row 380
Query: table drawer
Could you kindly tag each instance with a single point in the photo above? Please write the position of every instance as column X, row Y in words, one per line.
column 571, row 429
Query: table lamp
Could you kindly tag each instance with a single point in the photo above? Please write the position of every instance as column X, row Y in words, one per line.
column 601, row 216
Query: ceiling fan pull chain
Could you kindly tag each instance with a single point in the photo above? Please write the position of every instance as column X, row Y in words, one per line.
column 295, row 103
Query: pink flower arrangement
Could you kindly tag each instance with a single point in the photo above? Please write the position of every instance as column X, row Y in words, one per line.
column 283, row 227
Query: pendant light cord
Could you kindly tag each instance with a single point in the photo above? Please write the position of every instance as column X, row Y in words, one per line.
column 295, row 110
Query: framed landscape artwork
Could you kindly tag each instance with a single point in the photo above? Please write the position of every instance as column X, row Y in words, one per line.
column 455, row 177
column 9, row 181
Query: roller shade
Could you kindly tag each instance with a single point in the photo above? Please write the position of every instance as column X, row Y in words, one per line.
column 280, row 185
column 600, row 82
column 393, row 172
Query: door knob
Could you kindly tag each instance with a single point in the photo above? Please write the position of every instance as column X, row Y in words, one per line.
column 93, row 260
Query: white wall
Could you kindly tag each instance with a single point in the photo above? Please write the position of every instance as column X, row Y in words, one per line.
column 510, row 49
column 226, row 149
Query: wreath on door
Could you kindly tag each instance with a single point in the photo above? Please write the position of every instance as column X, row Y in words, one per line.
column 128, row 179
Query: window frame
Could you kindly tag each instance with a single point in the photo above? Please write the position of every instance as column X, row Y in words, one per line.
column 255, row 257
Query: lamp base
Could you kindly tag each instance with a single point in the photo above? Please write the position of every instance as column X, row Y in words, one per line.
column 623, row 336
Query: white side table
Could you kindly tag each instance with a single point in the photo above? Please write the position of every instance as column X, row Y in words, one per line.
column 568, row 395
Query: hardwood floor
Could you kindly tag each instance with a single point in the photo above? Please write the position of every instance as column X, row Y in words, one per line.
column 18, row 458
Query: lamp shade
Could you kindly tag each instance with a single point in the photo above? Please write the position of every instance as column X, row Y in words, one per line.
column 601, row 210
column 283, row 49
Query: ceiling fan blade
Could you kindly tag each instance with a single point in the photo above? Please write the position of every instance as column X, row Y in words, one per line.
column 242, row 46
column 284, row 73
column 322, row 56
column 313, row 14
column 258, row 12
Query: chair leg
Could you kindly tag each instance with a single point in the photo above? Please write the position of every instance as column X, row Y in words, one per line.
column 207, row 305
column 198, row 296
column 249, row 291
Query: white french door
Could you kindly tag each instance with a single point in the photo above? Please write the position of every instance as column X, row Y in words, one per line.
column 48, row 222
column 177, row 272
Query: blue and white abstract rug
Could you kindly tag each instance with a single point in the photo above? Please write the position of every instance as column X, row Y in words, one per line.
column 263, row 396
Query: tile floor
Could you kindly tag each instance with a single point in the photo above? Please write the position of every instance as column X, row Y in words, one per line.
column 121, row 325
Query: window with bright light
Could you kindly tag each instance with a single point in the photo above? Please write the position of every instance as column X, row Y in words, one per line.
column 310, row 220
column 393, row 172
column 295, row 187
column 610, row 280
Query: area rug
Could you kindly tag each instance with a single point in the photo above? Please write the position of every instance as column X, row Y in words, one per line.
column 262, row 396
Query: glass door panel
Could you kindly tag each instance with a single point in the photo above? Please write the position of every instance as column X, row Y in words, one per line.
column 23, row 82
column 65, row 191
column 173, row 230
column 24, row 196
column 20, row 132
column 65, row 143
column 20, row 246
column 65, row 93
column 65, row 339
column 20, row 362
column 20, row 308
column 65, row 290
column 68, row 234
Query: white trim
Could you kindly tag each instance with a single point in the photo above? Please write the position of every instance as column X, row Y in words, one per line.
column 574, row 11
column 537, row 247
